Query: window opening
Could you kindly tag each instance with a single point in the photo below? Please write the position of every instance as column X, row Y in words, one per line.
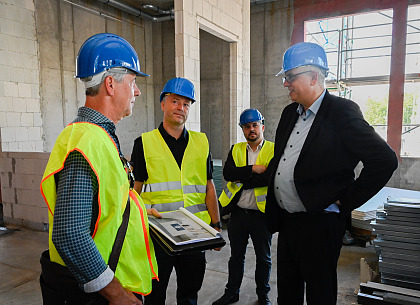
column 358, row 49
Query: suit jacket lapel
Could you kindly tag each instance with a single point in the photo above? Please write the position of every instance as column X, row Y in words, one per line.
column 316, row 124
column 284, row 132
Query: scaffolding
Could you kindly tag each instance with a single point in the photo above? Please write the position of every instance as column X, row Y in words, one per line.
column 340, row 44
column 355, row 43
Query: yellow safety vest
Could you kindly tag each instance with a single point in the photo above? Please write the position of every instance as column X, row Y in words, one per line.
column 239, row 153
column 168, row 187
column 137, row 263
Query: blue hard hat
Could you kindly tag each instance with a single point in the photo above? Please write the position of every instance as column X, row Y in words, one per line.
column 180, row 86
column 250, row 115
column 104, row 51
column 304, row 54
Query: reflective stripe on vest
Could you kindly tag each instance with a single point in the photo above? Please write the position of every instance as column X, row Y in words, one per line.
column 137, row 263
column 173, row 206
column 173, row 185
column 261, row 198
column 228, row 192
column 239, row 153
column 169, row 187
column 162, row 186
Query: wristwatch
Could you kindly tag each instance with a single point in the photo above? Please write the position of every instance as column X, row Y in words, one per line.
column 216, row 225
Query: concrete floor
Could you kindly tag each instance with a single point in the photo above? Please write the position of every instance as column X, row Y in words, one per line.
column 19, row 269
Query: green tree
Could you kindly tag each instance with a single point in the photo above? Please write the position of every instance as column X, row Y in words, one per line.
column 410, row 106
column 377, row 109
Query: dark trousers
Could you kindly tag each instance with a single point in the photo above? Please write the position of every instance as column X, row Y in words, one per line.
column 59, row 287
column 243, row 224
column 307, row 254
column 189, row 268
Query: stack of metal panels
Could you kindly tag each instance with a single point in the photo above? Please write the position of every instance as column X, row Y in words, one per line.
column 398, row 242
column 363, row 216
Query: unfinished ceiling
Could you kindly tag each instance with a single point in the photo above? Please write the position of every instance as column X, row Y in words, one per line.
column 162, row 4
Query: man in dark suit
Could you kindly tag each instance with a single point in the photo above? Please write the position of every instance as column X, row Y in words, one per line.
column 319, row 141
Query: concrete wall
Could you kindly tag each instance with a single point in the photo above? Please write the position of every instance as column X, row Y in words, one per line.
column 21, row 174
column 61, row 29
column 228, row 20
column 407, row 175
column 271, row 31
column 164, row 63
column 20, row 113
column 214, row 91
column 39, row 95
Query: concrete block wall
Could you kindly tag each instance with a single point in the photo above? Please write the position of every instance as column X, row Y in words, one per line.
column 61, row 30
column 20, row 113
column 39, row 40
column 47, row 96
column 21, row 175
column 228, row 20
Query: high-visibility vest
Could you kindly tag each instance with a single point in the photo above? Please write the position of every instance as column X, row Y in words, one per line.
column 239, row 153
column 169, row 187
column 137, row 263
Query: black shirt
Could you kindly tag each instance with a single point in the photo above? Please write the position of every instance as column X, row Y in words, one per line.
column 177, row 147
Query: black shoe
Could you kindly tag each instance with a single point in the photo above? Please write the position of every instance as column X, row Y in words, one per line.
column 264, row 300
column 227, row 298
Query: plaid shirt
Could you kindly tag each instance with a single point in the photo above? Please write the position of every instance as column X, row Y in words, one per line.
column 77, row 210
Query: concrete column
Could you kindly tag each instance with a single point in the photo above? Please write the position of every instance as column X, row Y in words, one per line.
column 187, row 55
column 397, row 76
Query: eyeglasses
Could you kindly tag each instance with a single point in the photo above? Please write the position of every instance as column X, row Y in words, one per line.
column 129, row 170
column 292, row 77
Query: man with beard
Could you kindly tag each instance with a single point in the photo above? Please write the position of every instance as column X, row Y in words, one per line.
column 244, row 198
column 173, row 169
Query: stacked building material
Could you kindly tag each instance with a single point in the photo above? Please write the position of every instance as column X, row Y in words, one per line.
column 362, row 217
column 398, row 243
column 375, row 293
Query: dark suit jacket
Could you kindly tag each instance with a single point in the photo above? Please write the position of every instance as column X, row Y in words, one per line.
column 324, row 173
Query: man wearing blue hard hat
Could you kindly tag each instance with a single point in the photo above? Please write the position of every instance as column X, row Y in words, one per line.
column 313, row 189
column 173, row 169
column 245, row 198
column 93, row 210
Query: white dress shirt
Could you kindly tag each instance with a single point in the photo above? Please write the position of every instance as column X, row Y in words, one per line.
column 247, row 200
column 284, row 184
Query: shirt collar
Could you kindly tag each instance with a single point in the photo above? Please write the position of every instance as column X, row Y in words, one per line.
column 92, row 116
column 314, row 107
column 248, row 147
column 163, row 132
